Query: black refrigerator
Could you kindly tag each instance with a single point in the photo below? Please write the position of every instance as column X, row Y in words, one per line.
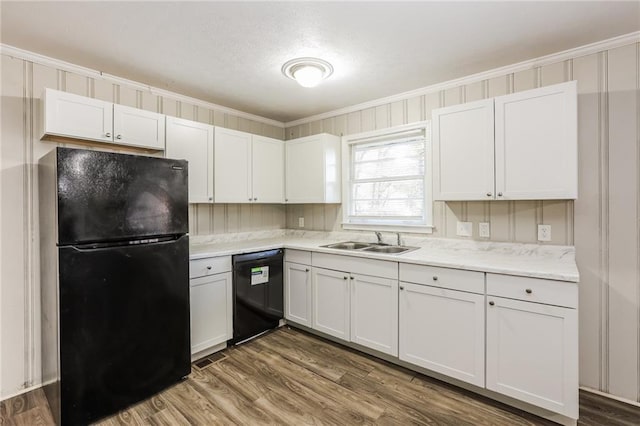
column 114, row 280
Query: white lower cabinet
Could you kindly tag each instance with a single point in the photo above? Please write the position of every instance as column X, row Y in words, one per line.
column 297, row 290
column 211, row 303
column 443, row 330
column 374, row 313
column 532, row 353
column 331, row 302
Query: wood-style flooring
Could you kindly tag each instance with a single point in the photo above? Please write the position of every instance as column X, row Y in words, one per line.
column 291, row 377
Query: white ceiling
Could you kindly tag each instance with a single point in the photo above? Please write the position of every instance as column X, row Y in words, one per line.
column 230, row 53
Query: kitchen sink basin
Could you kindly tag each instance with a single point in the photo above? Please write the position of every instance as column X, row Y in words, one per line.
column 371, row 247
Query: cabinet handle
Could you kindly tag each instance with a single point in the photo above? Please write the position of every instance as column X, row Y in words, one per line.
column 209, row 268
column 401, row 288
column 529, row 291
column 119, row 137
column 499, row 194
column 107, row 135
column 435, row 278
column 491, row 303
column 489, row 194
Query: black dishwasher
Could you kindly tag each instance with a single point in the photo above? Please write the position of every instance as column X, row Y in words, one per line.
column 257, row 293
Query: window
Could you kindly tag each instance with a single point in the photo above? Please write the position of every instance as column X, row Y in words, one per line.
column 385, row 179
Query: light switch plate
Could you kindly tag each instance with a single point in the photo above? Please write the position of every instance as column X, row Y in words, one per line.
column 544, row 232
column 484, row 230
column 301, row 222
column 464, row 229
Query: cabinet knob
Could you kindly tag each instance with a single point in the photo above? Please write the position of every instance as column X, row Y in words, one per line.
column 286, row 199
column 489, row 194
column 435, row 278
column 255, row 199
column 119, row 137
column 107, row 135
column 306, row 270
column 344, row 278
column 209, row 268
column 529, row 291
column 491, row 303
column 499, row 194
column 401, row 288
column 210, row 198
column 250, row 199
column 352, row 278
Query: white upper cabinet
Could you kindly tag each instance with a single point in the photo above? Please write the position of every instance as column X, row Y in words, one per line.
column 463, row 159
column 537, row 143
column 80, row 117
column 521, row 146
column 313, row 169
column 192, row 141
column 248, row 168
column 137, row 127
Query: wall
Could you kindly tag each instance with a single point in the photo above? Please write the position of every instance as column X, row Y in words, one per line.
column 603, row 223
column 20, row 148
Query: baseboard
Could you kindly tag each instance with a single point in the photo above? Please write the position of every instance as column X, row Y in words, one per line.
column 25, row 390
column 610, row 396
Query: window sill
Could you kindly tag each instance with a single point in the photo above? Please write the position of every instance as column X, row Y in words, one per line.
column 422, row 229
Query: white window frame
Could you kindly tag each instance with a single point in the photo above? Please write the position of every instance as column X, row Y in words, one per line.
column 365, row 137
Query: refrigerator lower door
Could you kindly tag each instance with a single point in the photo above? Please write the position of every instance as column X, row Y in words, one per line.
column 124, row 325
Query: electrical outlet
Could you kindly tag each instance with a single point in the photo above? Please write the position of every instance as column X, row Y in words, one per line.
column 544, row 232
column 301, row 222
column 484, row 230
column 464, row 229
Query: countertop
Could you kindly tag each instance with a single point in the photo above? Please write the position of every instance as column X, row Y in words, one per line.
column 528, row 260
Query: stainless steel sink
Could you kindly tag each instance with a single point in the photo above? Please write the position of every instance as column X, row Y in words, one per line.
column 371, row 247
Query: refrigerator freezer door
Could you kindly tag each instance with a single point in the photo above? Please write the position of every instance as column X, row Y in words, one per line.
column 106, row 196
column 124, row 321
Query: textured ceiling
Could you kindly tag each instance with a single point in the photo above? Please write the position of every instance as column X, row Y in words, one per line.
column 230, row 53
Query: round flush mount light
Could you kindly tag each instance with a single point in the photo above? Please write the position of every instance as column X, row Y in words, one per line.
column 308, row 72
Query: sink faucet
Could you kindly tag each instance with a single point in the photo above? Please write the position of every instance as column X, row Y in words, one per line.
column 379, row 235
column 398, row 234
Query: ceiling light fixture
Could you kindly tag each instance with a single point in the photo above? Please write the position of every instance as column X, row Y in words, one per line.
column 308, row 72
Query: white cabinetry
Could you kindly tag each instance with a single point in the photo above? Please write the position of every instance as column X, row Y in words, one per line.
column 211, row 303
column 356, row 300
column 531, row 156
column 80, row 117
column 248, row 168
column 532, row 348
column 297, row 287
column 443, row 329
column 313, row 169
column 192, row 141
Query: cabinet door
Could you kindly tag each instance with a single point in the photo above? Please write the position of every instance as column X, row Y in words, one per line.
column 305, row 180
column 268, row 170
column 463, row 157
column 532, row 353
column 443, row 330
column 232, row 166
column 536, row 143
column 137, row 127
column 211, row 311
column 191, row 141
column 73, row 116
column 331, row 302
column 374, row 313
column 297, row 287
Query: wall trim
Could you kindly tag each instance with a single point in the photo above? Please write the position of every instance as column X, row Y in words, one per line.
column 484, row 75
column 610, row 396
column 26, row 55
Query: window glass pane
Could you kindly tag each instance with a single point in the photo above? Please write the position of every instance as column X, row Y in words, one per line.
column 389, row 198
column 395, row 207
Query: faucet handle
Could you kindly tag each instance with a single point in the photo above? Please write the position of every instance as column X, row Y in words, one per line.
column 399, row 242
column 379, row 235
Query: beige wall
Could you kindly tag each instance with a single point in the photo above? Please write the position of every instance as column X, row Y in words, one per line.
column 603, row 223
column 20, row 148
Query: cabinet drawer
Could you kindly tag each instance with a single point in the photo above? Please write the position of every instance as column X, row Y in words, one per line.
column 297, row 256
column 559, row 293
column 209, row 266
column 455, row 279
column 356, row 265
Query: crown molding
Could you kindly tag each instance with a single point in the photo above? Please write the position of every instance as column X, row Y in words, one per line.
column 484, row 75
column 26, row 55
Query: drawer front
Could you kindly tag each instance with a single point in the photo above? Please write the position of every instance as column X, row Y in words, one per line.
column 297, row 256
column 559, row 293
column 356, row 265
column 455, row 279
column 209, row 266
